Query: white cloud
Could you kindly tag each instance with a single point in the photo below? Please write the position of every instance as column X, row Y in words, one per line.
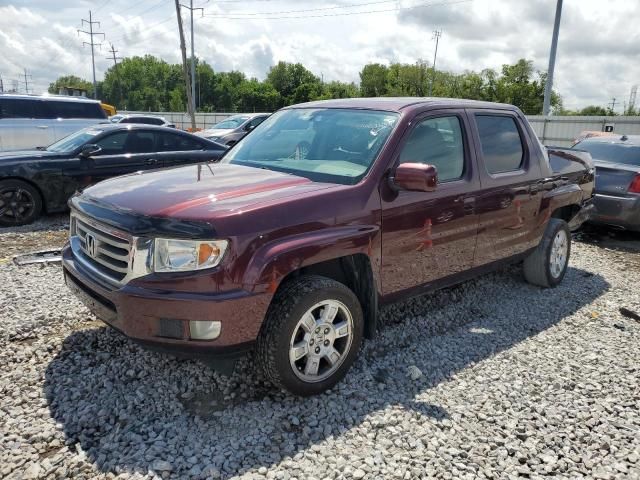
column 597, row 57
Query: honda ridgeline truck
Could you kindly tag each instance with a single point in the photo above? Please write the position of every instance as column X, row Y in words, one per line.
column 290, row 243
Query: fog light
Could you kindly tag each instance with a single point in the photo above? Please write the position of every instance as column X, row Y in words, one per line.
column 204, row 330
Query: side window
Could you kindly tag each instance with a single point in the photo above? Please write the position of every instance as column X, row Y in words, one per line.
column 501, row 143
column 140, row 141
column 73, row 109
column 113, row 144
column 438, row 142
column 170, row 142
column 17, row 108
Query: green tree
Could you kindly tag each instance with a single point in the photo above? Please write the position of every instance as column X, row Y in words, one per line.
column 373, row 80
column 288, row 80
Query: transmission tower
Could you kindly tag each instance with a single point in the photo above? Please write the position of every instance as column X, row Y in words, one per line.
column 26, row 81
column 91, row 34
column 632, row 99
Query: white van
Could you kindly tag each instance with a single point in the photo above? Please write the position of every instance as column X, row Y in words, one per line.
column 32, row 121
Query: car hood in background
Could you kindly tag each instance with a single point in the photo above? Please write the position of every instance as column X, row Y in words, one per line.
column 198, row 192
column 214, row 132
column 28, row 155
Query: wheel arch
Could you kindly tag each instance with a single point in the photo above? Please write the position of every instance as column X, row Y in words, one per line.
column 356, row 273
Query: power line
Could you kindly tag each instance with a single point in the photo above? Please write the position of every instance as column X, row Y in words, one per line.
column 91, row 34
column 341, row 14
column 335, row 7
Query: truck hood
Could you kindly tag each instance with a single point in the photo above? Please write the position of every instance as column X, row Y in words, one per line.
column 197, row 192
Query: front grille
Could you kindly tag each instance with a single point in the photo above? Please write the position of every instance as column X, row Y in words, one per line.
column 106, row 250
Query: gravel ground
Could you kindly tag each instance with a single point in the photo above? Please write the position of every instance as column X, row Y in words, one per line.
column 491, row 379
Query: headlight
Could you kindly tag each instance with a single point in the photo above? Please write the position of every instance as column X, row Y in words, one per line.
column 185, row 255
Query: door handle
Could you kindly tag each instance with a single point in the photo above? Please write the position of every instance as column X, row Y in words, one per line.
column 43, row 126
column 151, row 161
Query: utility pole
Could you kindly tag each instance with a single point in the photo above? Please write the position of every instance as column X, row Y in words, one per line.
column 436, row 35
column 115, row 69
column 26, row 81
column 193, row 58
column 548, row 88
column 613, row 104
column 91, row 34
column 185, row 71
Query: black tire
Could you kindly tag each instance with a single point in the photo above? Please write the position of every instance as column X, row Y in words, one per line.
column 292, row 301
column 20, row 203
column 538, row 268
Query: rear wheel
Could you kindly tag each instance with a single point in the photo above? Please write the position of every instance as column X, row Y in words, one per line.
column 20, row 203
column 311, row 335
column 547, row 265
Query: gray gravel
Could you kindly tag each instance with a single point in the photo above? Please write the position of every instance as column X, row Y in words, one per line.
column 491, row 379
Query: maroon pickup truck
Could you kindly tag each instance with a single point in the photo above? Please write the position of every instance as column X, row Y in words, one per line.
column 288, row 246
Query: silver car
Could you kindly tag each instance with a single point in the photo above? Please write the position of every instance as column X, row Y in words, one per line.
column 617, row 189
column 142, row 119
column 32, row 121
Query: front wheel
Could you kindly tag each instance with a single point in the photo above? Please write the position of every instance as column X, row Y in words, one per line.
column 547, row 264
column 20, row 203
column 311, row 335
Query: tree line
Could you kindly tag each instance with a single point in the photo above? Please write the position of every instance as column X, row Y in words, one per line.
column 150, row 84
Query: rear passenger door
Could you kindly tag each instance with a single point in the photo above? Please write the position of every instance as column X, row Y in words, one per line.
column 427, row 236
column 176, row 149
column 509, row 200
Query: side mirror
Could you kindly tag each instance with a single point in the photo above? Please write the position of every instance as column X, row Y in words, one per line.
column 90, row 149
column 416, row 177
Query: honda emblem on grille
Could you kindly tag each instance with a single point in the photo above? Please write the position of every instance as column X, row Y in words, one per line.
column 91, row 244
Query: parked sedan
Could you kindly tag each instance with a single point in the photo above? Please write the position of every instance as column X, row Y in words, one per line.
column 617, row 189
column 36, row 181
column 231, row 130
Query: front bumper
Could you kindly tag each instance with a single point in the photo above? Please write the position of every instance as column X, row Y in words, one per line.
column 623, row 212
column 160, row 319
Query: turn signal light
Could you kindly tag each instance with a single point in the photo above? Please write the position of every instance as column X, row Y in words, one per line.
column 635, row 184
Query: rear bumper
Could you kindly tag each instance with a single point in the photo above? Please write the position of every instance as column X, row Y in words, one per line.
column 623, row 212
column 160, row 319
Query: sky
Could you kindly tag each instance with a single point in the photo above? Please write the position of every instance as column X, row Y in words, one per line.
column 598, row 52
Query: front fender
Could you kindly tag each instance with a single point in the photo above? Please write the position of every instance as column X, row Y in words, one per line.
column 277, row 259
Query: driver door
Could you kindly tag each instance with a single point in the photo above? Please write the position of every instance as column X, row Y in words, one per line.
column 121, row 152
column 429, row 236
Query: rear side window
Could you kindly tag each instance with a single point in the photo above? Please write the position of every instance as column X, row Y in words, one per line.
column 501, row 143
column 145, row 120
column 170, row 142
column 437, row 142
column 17, row 108
column 113, row 144
column 61, row 109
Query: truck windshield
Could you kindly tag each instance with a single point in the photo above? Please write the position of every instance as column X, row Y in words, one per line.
column 73, row 141
column 322, row 144
column 612, row 152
